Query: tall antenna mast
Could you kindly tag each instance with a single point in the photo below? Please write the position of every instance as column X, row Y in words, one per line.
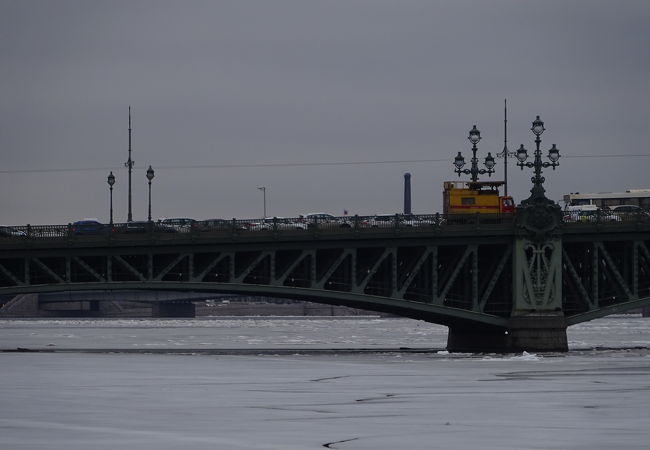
column 129, row 163
column 505, row 145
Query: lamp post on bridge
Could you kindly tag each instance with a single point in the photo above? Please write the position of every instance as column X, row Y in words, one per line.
column 150, row 175
column 474, row 137
column 111, row 182
column 536, row 319
column 263, row 189
column 537, row 192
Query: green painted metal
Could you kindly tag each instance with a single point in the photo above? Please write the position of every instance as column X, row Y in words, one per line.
column 537, row 275
column 460, row 275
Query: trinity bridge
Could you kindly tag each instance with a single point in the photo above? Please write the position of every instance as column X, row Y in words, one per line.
column 491, row 279
column 501, row 282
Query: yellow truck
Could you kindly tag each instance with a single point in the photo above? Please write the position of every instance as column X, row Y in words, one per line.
column 469, row 197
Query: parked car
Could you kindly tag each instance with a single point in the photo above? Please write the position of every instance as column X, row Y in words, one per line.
column 7, row 231
column 182, row 224
column 142, row 226
column 281, row 223
column 218, row 225
column 325, row 220
column 382, row 221
column 89, row 226
column 588, row 213
column 630, row 212
column 389, row 220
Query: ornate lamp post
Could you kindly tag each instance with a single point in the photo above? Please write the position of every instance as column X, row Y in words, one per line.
column 150, row 175
column 537, row 192
column 537, row 258
column 111, row 182
column 263, row 189
column 459, row 161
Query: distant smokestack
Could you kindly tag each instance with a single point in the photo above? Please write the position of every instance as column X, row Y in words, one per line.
column 407, row 193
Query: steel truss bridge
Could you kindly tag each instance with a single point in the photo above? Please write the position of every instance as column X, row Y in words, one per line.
column 487, row 278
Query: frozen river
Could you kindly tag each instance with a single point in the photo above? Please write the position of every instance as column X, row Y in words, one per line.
column 277, row 384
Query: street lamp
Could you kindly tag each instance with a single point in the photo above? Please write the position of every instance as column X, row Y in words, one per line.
column 150, row 175
column 553, row 155
column 263, row 189
column 474, row 137
column 111, row 182
column 129, row 163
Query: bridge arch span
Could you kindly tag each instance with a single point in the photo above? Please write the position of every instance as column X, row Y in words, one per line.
column 410, row 309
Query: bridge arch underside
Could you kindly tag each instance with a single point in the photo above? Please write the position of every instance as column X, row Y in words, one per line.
column 604, row 274
column 458, row 283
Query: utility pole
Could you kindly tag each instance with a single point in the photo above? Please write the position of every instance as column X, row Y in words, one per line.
column 129, row 163
column 505, row 153
column 505, row 146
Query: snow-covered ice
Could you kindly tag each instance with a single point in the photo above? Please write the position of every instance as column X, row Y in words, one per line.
column 589, row 398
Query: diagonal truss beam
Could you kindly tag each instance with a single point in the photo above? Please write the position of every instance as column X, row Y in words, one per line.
column 415, row 272
column 89, row 269
column 614, row 269
column 319, row 284
column 170, row 266
column 373, row 270
column 495, row 277
column 289, row 270
column 574, row 274
column 252, row 266
column 47, row 270
column 211, row 266
column 129, row 267
column 10, row 275
column 468, row 251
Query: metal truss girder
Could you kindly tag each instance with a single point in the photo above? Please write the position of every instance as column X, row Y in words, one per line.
column 10, row 275
column 130, row 268
column 319, row 284
column 373, row 270
column 170, row 266
column 210, row 266
column 495, row 277
column 471, row 249
column 578, row 281
column 617, row 275
column 251, row 266
column 279, row 280
column 607, row 310
column 89, row 269
column 47, row 270
column 418, row 310
column 416, row 270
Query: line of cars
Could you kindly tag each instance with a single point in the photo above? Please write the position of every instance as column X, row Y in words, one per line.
column 320, row 220
column 317, row 220
column 592, row 213
column 7, row 231
column 94, row 227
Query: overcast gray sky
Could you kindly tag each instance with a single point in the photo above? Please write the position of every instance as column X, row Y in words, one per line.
column 282, row 82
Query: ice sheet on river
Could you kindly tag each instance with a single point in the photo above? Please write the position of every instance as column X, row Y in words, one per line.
column 585, row 399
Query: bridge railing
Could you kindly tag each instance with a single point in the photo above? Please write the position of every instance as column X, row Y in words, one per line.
column 281, row 225
column 274, row 225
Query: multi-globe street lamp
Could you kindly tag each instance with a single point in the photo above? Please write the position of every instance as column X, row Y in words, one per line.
column 553, row 155
column 459, row 161
column 111, row 182
column 150, row 175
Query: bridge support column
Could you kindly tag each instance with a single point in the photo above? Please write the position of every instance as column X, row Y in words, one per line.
column 169, row 309
column 531, row 333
